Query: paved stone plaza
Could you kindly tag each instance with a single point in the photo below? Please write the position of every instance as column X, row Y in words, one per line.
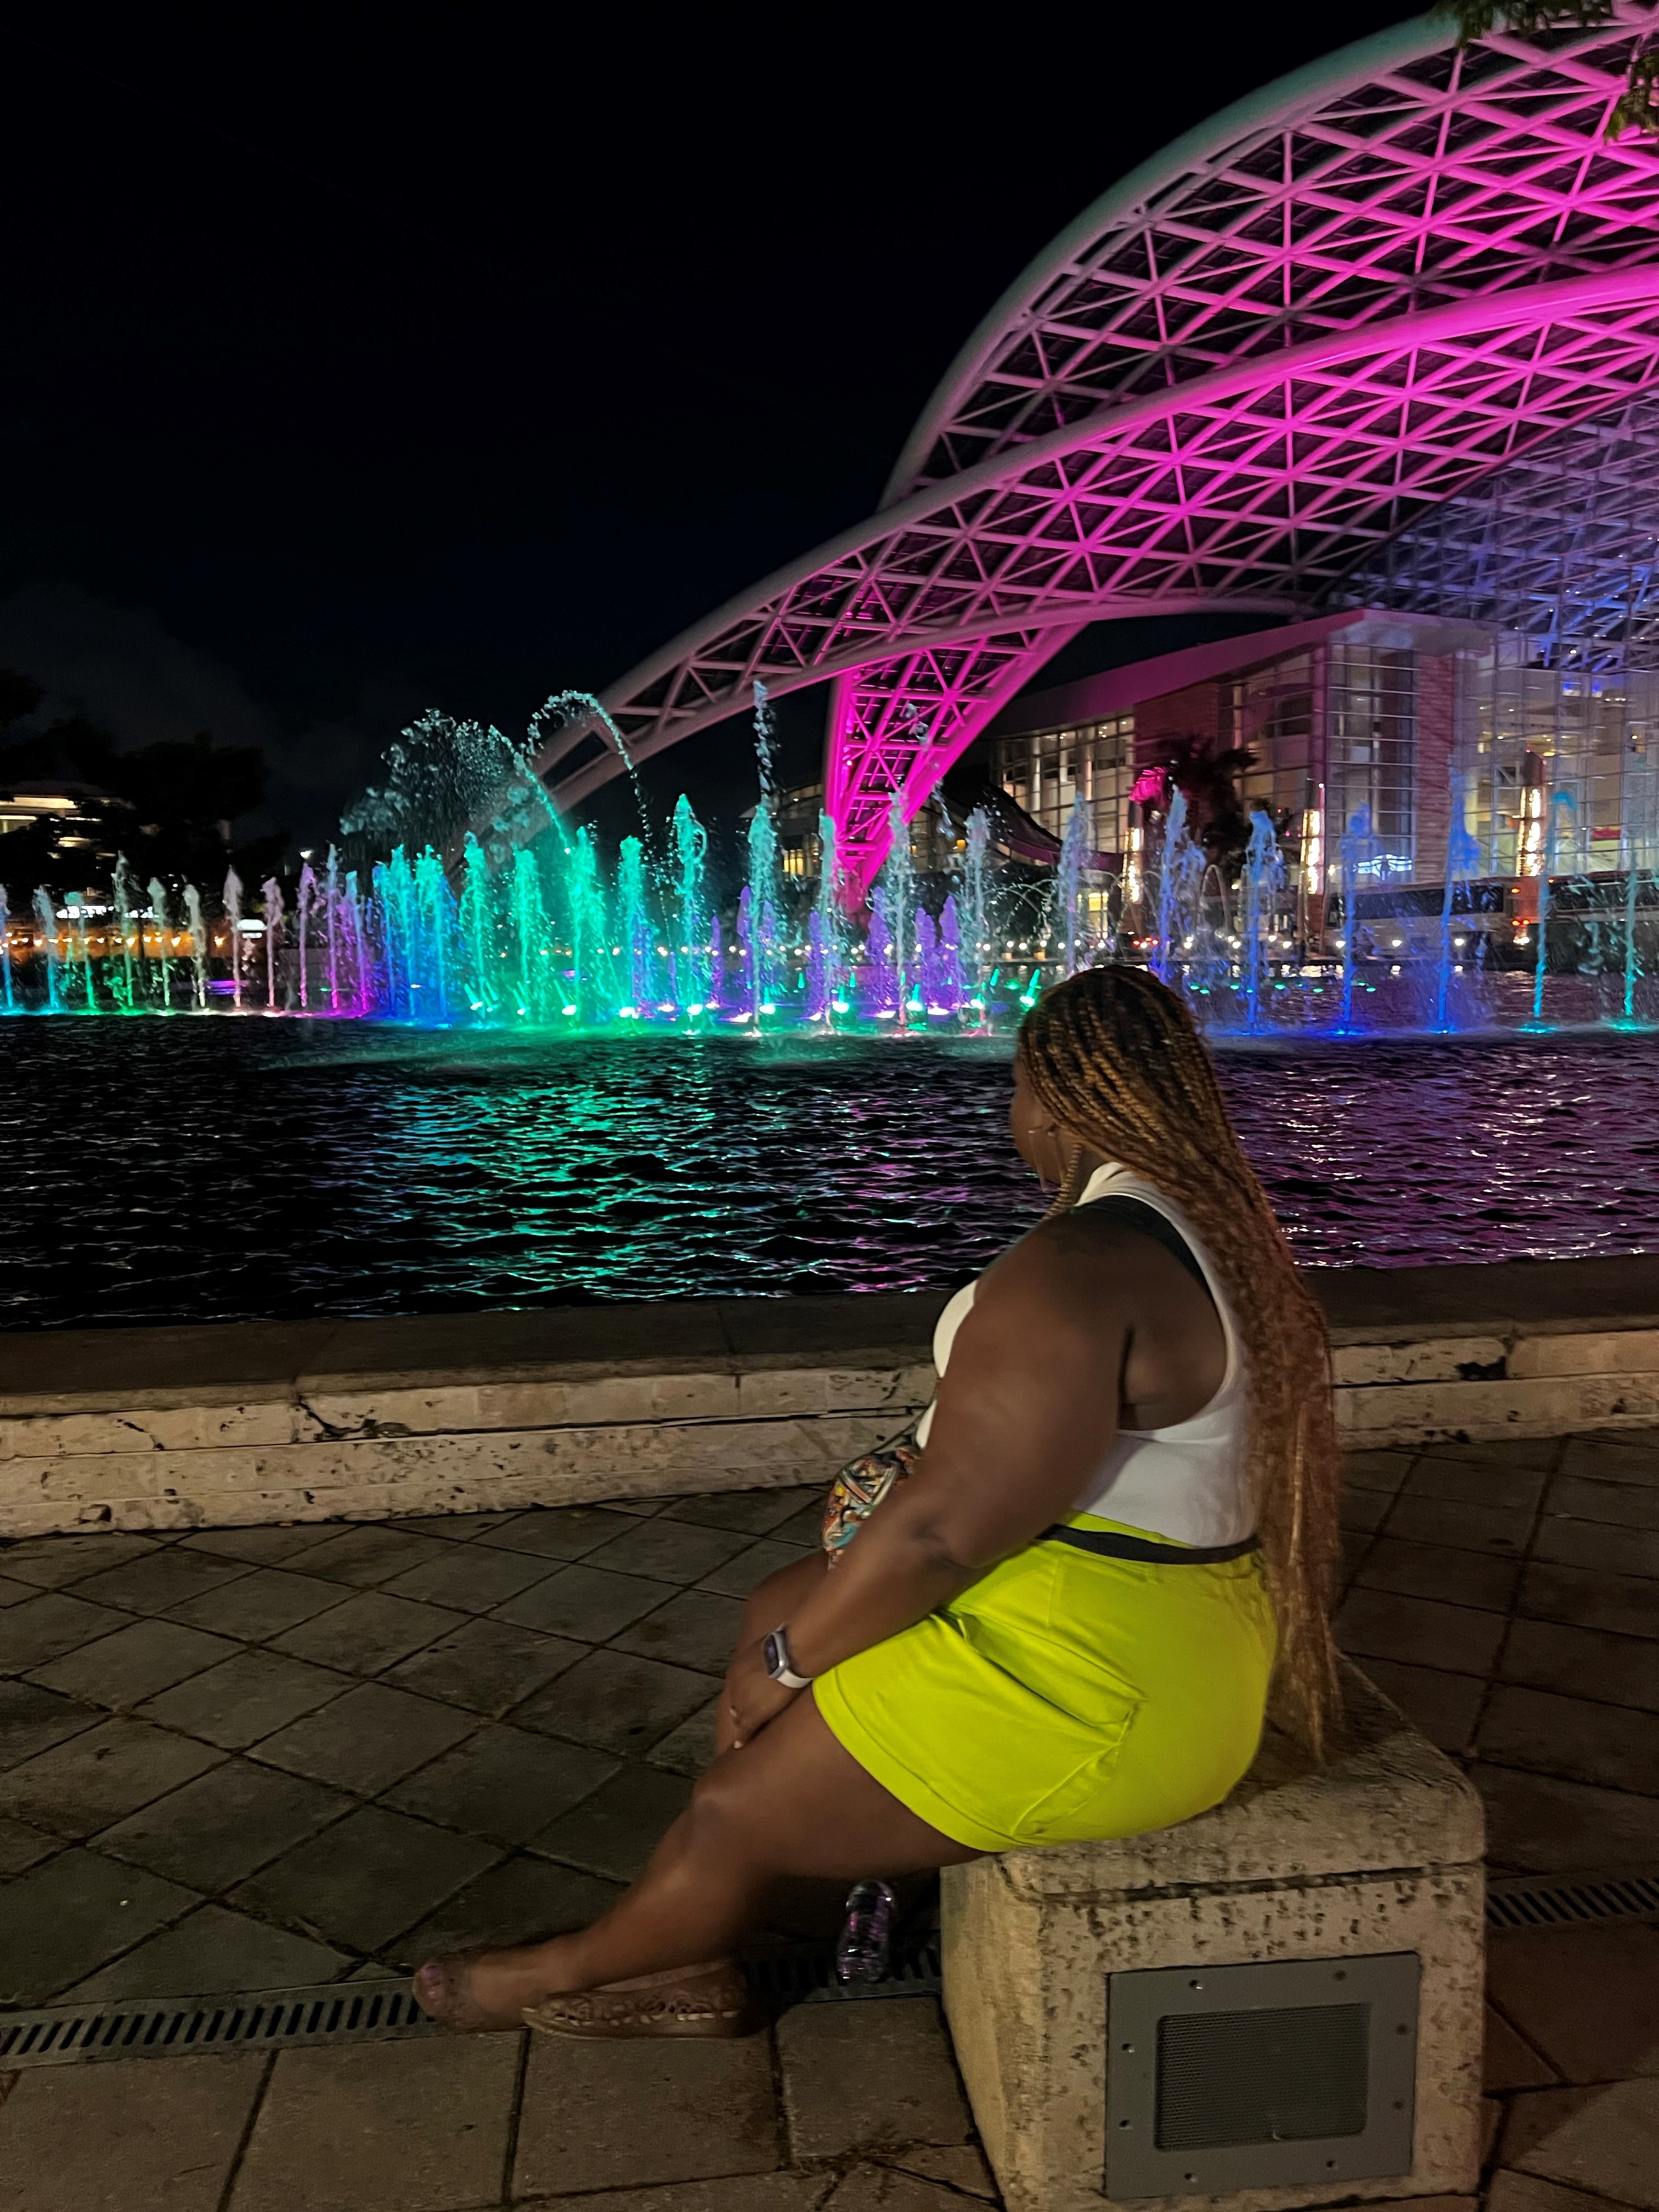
column 249, row 1758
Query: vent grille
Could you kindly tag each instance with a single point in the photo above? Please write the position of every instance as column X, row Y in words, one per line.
column 1293, row 2074
column 1564, row 1904
column 364, row 2012
column 168, row 2027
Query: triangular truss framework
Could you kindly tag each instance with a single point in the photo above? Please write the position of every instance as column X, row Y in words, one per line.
column 1276, row 361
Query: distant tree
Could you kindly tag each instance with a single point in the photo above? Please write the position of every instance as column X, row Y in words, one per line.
column 171, row 807
column 20, row 695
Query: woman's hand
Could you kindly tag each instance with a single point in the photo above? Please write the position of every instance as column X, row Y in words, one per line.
column 749, row 1699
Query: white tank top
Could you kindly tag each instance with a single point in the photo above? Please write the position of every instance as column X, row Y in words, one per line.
column 1190, row 1482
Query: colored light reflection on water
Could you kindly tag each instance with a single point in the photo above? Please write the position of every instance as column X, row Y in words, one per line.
column 207, row 1170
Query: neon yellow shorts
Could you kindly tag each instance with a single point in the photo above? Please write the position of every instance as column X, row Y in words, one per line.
column 1065, row 1697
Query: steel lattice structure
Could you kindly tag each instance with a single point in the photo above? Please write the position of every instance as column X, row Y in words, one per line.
column 1561, row 547
column 1233, row 382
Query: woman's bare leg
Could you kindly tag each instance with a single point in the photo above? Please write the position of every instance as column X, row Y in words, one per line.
column 790, row 1802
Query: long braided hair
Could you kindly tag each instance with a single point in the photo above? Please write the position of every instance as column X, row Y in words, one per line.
column 1114, row 1057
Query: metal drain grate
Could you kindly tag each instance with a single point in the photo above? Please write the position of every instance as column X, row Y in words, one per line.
column 807, row 1975
column 359, row 2011
column 1536, row 1903
column 169, row 2028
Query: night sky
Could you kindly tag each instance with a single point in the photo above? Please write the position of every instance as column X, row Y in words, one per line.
column 462, row 354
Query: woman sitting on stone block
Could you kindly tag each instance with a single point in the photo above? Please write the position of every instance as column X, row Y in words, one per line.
column 1110, row 1552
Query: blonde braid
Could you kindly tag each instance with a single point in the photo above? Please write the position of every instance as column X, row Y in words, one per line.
column 1114, row 1057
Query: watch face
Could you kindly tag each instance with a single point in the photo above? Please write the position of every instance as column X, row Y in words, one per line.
column 772, row 1654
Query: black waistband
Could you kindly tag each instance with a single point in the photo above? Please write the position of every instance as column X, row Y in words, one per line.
column 1110, row 1545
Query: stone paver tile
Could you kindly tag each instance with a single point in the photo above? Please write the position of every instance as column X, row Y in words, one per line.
column 364, row 1881
column 162, row 2136
column 367, row 1633
column 51, row 1561
column 1583, row 1597
column 372, row 1736
column 33, row 1719
column 1586, row 1998
column 487, row 1667
column 259, row 1547
column 1611, row 1459
column 612, row 2115
column 124, row 1669
column 370, row 1553
column 522, row 1900
column 261, row 1604
column 456, row 1528
column 749, row 1512
column 584, row 1602
column 246, row 1698
column 1383, row 1625
column 1620, row 1504
column 213, row 1949
column 1603, row 2140
column 735, row 2192
column 962, row 2164
column 1362, row 1512
column 1599, row 1544
column 1526, row 2192
column 1584, row 1742
column 1376, row 1470
column 559, row 1532
column 669, row 1551
column 1510, row 2061
column 1498, row 1530
column 218, row 1829
column 1583, row 1662
column 690, row 1746
column 23, row 1847
column 13, row 1593
column 615, row 1830
column 1539, row 1824
column 742, row 1576
column 60, row 1921
column 46, row 1626
column 889, row 2188
column 1518, row 1489
column 81, row 1786
column 1506, row 1451
column 383, row 2127
column 470, row 1577
column 1442, row 1572
column 1444, row 1706
column 160, row 1580
column 856, row 2076
column 616, row 1701
column 503, row 1782
column 804, row 1526
column 698, row 1628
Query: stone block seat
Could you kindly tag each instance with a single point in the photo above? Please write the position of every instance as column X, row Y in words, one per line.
column 1375, row 1857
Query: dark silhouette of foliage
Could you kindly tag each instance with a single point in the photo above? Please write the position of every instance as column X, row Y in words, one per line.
column 1533, row 20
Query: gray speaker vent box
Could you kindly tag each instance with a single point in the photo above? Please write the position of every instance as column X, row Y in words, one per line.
column 1224, row 2078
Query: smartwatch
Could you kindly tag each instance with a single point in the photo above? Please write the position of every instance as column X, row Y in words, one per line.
column 775, row 1653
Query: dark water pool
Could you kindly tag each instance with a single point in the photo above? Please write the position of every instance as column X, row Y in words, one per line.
column 212, row 1169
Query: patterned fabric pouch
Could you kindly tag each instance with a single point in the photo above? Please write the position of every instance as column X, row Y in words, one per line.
column 860, row 1486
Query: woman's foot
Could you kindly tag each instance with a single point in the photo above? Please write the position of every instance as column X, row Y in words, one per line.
column 482, row 1992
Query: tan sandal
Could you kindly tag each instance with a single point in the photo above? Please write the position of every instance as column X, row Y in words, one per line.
column 710, row 1999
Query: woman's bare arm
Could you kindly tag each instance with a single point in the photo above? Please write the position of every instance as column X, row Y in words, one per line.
column 1026, row 1410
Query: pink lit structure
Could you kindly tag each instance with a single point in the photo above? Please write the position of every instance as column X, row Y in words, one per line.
column 1231, row 384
